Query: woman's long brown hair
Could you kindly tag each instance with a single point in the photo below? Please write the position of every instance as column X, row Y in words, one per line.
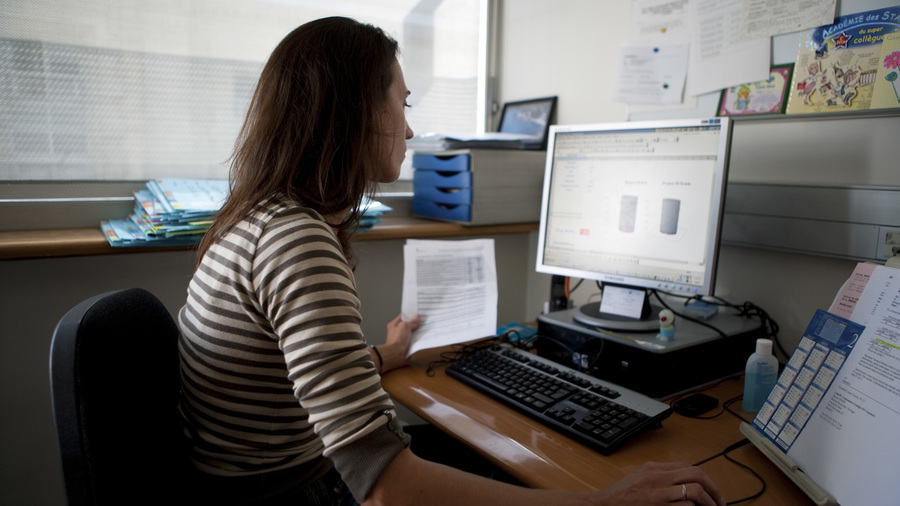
column 308, row 134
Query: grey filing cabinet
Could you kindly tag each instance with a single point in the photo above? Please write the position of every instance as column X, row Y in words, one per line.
column 478, row 186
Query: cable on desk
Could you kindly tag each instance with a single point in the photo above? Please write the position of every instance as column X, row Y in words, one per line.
column 724, row 453
column 682, row 315
column 726, row 405
column 731, row 401
column 730, row 448
column 462, row 351
column 747, row 310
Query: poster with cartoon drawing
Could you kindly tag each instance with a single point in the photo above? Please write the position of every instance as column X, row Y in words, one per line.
column 837, row 65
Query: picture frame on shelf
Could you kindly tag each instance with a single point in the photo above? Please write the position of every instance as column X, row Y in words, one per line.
column 761, row 97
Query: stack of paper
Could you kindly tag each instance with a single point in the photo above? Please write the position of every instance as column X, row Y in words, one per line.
column 168, row 212
column 489, row 140
column 176, row 212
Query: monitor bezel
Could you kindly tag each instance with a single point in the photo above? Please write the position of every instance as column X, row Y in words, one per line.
column 716, row 214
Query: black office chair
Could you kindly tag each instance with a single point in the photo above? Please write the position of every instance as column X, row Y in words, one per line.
column 114, row 381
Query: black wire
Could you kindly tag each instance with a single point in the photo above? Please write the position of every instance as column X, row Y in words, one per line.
column 462, row 351
column 724, row 453
column 729, row 448
column 681, row 315
column 762, row 482
column 726, row 406
column 747, row 310
column 572, row 289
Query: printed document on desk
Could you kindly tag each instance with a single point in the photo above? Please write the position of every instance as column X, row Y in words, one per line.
column 849, row 442
column 452, row 286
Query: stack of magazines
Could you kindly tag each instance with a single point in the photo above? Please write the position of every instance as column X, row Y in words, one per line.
column 372, row 211
column 177, row 212
column 168, row 212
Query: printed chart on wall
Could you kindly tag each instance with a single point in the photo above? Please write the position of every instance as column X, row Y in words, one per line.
column 838, row 65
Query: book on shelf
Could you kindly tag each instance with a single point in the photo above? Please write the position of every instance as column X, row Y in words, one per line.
column 178, row 211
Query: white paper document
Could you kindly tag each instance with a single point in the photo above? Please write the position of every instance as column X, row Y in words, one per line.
column 652, row 73
column 765, row 18
column 851, row 445
column 846, row 299
column 719, row 57
column 650, row 18
column 452, row 286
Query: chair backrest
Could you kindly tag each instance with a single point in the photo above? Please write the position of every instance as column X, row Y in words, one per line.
column 114, row 379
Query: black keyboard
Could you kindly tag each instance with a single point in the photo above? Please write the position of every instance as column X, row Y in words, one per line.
column 596, row 413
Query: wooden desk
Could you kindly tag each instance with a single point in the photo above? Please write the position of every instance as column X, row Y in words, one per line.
column 542, row 458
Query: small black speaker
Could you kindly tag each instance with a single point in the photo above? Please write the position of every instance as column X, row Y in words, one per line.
column 558, row 299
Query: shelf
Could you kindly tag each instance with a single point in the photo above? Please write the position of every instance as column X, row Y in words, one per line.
column 27, row 244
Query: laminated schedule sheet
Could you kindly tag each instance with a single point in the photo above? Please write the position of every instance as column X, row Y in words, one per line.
column 822, row 351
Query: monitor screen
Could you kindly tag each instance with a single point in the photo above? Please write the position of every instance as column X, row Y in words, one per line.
column 528, row 117
column 637, row 204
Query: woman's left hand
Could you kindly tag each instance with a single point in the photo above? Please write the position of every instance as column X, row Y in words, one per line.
column 399, row 336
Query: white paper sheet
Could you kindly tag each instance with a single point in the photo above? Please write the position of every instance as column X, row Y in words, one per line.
column 846, row 299
column 650, row 18
column 764, row 18
column 850, row 445
column 651, row 73
column 452, row 286
column 719, row 58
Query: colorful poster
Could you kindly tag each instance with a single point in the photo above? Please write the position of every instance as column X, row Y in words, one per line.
column 837, row 64
column 887, row 80
column 762, row 97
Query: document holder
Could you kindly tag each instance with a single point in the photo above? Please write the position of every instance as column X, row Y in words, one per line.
column 787, row 466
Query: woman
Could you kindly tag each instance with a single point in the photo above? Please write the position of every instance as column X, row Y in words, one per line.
column 282, row 402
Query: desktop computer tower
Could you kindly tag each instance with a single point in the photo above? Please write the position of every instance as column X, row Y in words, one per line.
column 640, row 361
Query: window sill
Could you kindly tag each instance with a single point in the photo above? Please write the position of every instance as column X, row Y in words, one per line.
column 28, row 244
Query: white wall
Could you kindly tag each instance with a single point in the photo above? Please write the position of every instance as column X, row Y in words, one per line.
column 568, row 48
column 564, row 48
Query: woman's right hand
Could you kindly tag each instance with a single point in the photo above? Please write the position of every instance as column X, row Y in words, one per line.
column 662, row 483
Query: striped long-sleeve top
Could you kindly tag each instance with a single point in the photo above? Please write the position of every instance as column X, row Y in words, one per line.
column 275, row 371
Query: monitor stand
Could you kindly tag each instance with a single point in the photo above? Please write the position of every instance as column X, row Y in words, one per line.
column 621, row 307
column 590, row 315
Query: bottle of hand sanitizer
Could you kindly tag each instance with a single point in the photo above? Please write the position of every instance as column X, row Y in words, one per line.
column 761, row 375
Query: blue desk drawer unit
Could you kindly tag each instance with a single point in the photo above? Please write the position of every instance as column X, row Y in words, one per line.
column 478, row 186
column 443, row 187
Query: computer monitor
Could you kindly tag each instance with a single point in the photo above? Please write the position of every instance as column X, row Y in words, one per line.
column 528, row 117
column 634, row 206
